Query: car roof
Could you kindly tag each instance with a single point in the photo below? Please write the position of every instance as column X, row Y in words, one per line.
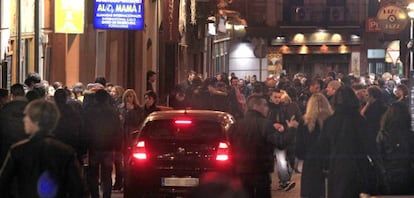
column 218, row 116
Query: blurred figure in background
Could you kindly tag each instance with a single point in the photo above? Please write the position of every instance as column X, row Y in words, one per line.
column 150, row 104
column 11, row 120
column 151, row 77
column 4, row 97
column 401, row 93
column 70, row 125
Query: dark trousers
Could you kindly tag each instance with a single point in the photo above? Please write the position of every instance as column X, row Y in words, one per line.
column 100, row 160
column 257, row 185
column 119, row 168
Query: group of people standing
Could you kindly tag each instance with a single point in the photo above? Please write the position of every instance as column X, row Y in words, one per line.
column 349, row 144
column 352, row 138
column 66, row 144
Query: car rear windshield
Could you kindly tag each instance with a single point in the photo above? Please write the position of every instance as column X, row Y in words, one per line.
column 196, row 130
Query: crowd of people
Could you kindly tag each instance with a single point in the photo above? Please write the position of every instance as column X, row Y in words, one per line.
column 353, row 134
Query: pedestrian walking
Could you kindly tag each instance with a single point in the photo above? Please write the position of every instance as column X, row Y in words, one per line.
column 102, row 125
column 42, row 165
column 253, row 141
column 345, row 147
column 308, row 147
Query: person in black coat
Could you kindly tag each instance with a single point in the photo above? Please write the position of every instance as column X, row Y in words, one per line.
column 318, row 109
column 42, row 165
column 373, row 111
column 344, row 141
column 104, row 136
column 396, row 145
column 69, row 129
column 11, row 120
column 253, row 140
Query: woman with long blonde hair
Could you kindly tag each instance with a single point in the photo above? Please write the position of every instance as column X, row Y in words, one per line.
column 318, row 109
column 132, row 115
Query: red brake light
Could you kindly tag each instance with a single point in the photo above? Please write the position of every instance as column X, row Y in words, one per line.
column 223, row 152
column 183, row 122
column 139, row 151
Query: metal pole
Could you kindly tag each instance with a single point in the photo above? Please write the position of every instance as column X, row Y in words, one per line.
column 411, row 39
column 19, row 37
column 260, row 69
column 37, row 36
column 410, row 76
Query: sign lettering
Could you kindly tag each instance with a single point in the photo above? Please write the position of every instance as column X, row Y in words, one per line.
column 119, row 14
column 392, row 19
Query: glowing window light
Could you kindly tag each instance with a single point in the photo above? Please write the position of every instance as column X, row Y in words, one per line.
column 324, row 48
column 303, row 49
column 299, row 38
column 343, row 49
column 336, row 37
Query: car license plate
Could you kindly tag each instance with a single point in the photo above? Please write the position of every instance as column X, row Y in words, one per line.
column 182, row 182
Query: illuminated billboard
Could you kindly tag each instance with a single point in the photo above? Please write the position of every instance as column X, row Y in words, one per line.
column 119, row 14
column 69, row 16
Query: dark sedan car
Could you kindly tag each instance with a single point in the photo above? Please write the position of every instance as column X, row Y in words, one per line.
column 174, row 149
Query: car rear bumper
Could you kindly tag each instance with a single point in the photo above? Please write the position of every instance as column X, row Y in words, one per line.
column 154, row 181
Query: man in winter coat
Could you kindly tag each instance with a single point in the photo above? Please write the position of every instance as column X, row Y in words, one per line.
column 253, row 142
column 102, row 126
column 42, row 165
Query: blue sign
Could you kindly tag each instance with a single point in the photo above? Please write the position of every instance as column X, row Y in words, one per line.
column 119, row 14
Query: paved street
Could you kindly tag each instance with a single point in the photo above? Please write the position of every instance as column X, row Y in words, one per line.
column 294, row 193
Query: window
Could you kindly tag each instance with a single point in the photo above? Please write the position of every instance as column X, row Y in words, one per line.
column 204, row 131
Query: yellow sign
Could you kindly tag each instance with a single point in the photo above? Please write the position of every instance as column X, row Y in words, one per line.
column 69, row 16
column 392, row 19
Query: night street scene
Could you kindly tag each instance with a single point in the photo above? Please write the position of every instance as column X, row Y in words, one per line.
column 207, row 98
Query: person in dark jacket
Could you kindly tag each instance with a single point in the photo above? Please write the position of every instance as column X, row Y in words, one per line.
column 281, row 108
column 318, row 109
column 402, row 94
column 150, row 104
column 187, row 83
column 344, row 145
column 395, row 145
column 132, row 115
column 69, row 128
column 102, row 124
column 42, row 165
column 373, row 111
column 11, row 120
column 151, row 77
column 253, row 140
column 4, row 97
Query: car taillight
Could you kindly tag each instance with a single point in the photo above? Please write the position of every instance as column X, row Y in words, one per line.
column 222, row 152
column 139, row 151
column 183, row 122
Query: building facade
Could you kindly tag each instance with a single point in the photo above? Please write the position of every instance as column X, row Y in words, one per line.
column 316, row 37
